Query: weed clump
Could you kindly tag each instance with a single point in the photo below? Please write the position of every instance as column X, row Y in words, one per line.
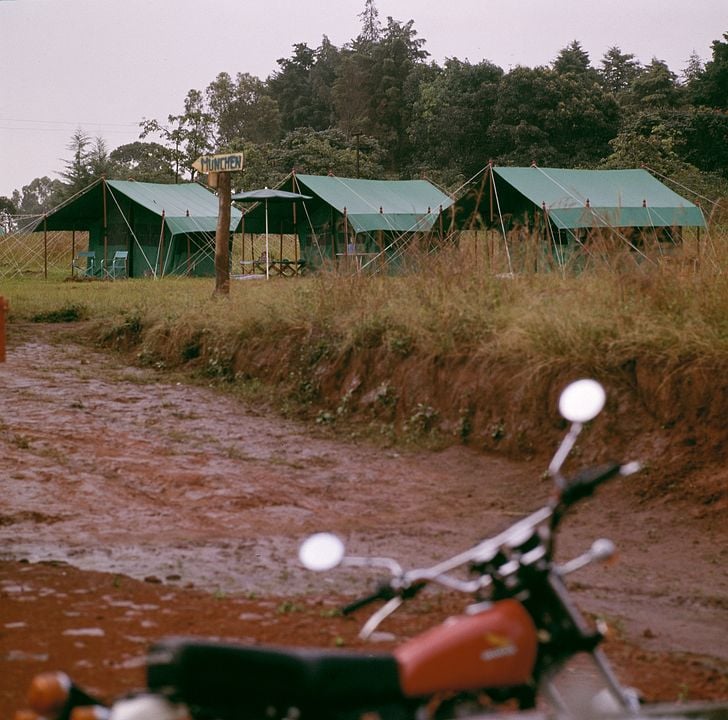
column 70, row 312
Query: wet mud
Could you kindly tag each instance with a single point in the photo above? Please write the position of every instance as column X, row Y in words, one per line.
column 135, row 506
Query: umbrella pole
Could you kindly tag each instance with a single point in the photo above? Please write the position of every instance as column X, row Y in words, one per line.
column 267, row 254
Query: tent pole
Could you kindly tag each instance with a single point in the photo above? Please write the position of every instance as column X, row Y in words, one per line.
column 45, row 247
column 267, row 254
column 698, row 248
column 73, row 248
column 106, row 225
column 242, row 243
column 161, row 247
column 346, row 232
column 296, row 238
column 475, row 244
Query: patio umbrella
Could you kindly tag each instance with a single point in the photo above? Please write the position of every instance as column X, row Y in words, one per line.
column 266, row 195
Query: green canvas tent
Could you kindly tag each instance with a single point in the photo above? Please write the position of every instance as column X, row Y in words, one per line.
column 166, row 229
column 574, row 199
column 371, row 216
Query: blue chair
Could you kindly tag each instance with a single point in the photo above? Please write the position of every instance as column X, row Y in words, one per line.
column 117, row 267
column 85, row 263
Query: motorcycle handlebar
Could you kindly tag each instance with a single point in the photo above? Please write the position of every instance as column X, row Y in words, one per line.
column 383, row 592
column 386, row 591
column 587, row 481
column 581, row 485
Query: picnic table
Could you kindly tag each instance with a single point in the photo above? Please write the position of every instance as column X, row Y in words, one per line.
column 285, row 267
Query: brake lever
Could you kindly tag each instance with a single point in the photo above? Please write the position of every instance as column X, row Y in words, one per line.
column 464, row 586
column 374, row 621
column 600, row 550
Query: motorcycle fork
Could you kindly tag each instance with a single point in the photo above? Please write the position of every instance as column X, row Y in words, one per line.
column 445, row 705
column 585, row 640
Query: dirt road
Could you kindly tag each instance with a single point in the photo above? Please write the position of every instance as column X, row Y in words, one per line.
column 188, row 501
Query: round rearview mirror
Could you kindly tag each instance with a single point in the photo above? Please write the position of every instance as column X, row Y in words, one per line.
column 321, row 552
column 582, row 400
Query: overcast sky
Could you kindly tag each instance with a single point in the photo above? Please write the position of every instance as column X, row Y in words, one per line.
column 102, row 65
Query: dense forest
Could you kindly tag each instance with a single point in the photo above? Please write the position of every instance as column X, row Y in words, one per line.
column 378, row 107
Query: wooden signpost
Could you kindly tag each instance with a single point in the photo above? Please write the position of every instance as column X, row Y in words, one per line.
column 218, row 169
column 3, row 311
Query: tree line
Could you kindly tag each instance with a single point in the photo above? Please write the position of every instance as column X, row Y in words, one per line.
column 378, row 107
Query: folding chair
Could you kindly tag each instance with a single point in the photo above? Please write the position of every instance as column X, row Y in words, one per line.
column 117, row 266
column 85, row 263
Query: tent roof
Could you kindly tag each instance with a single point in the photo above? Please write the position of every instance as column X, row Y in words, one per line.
column 602, row 198
column 187, row 207
column 394, row 205
column 390, row 205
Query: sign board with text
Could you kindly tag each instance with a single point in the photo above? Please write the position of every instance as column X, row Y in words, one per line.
column 229, row 162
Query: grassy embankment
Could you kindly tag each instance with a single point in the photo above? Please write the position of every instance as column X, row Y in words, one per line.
column 327, row 339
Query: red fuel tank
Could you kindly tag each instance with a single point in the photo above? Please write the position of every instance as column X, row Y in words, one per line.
column 493, row 648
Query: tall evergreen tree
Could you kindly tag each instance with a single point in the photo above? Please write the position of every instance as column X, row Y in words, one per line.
column 99, row 163
column 76, row 171
column 710, row 87
column 656, row 87
column 372, row 84
column 572, row 59
column 371, row 30
column 618, row 70
column 323, row 76
column 693, row 69
column 302, row 86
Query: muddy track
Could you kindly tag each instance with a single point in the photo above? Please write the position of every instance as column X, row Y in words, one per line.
column 115, row 469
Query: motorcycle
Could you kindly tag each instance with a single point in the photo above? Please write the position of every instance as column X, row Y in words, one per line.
column 509, row 647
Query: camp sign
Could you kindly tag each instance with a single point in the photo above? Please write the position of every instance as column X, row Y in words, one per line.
column 211, row 165
column 230, row 162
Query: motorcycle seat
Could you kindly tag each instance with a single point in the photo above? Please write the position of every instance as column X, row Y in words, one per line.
column 218, row 674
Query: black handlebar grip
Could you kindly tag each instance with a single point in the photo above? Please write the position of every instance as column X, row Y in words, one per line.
column 385, row 592
column 585, row 482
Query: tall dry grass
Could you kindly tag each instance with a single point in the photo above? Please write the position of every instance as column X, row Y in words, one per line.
column 474, row 299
